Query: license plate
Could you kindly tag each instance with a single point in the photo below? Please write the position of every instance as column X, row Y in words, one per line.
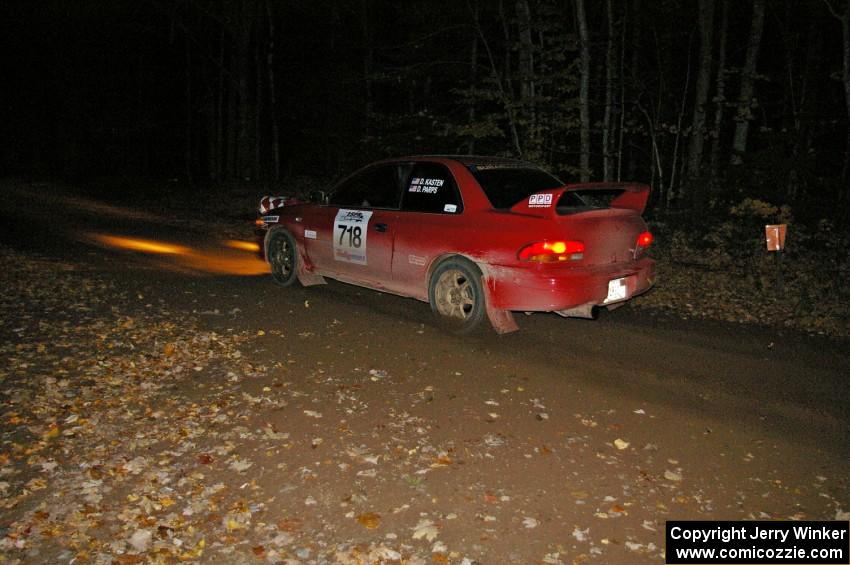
column 616, row 290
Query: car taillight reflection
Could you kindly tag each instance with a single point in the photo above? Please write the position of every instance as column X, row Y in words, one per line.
column 552, row 251
column 644, row 239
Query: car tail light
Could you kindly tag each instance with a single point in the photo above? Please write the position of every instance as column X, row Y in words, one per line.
column 644, row 240
column 552, row 251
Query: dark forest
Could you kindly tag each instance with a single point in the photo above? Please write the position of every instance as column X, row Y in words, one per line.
column 709, row 101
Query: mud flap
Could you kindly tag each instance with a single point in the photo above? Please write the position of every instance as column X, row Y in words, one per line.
column 305, row 277
column 501, row 320
column 310, row 279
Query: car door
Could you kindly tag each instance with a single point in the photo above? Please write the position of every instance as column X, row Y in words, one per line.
column 429, row 224
column 352, row 238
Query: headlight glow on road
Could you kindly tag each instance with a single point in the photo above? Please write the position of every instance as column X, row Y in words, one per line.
column 243, row 245
column 143, row 245
column 232, row 257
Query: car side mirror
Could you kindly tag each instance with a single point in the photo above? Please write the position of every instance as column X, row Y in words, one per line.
column 318, row 197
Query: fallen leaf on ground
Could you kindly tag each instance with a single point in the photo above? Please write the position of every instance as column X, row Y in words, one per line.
column 369, row 520
column 141, row 540
column 289, row 525
column 425, row 529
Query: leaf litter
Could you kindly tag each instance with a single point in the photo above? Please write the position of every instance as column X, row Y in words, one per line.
column 134, row 433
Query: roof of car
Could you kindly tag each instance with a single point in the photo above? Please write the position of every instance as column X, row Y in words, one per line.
column 479, row 160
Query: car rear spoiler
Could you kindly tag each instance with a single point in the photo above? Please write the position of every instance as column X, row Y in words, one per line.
column 633, row 196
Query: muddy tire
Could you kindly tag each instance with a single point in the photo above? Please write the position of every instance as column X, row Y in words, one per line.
column 457, row 296
column 283, row 258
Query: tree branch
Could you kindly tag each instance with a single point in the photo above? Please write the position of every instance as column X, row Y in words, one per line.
column 834, row 12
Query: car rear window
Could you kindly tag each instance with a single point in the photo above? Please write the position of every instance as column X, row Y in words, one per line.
column 505, row 186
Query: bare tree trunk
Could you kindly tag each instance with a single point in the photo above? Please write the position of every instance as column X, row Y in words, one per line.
column 706, row 52
column 607, row 125
column 243, row 61
column 845, row 36
column 671, row 189
column 219, row 166
column 845, row 71
column 189, row 125
column 473, row 73
column 232, row 129
column 503, row 95
column 142, row 115
column 844, row 18
column 634, row 73
column 334, row 153
column 273, row 95
column 544, row 146
column 798, row 90
column 368, row 59
column 258, row 108
column 720, row 90
column 622, row 77
column 748, row 79
column 209, row 113
column 508, row 62
column 584, row 90
column 526, row 72
column 525, row 57
column 655, row 164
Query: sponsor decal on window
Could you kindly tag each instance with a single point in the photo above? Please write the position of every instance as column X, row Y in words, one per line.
column 540, row 200
column 425, row 185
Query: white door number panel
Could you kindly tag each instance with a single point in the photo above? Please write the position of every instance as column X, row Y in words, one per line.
column 350, row 230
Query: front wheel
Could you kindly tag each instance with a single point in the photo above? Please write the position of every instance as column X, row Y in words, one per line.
column 283, row 258
column 457, row 296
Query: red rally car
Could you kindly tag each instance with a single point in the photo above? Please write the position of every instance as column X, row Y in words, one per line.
column 475, row 237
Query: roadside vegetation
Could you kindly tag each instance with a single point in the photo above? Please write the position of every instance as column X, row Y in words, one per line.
column 716, row 266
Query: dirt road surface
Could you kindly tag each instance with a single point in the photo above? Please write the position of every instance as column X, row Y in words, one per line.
column 162, row 399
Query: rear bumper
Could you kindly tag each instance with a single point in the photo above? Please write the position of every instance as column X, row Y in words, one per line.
column 550, row 289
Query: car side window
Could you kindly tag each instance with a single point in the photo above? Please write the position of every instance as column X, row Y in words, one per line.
column 430, row 187
column 376, row 187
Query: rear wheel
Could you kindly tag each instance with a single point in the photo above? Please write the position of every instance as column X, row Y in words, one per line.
column 283, row 258
column 457, row 296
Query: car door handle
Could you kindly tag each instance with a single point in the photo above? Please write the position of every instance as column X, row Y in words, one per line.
column 381, row 227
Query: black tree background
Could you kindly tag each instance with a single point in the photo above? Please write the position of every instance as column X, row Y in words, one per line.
column 711, row 101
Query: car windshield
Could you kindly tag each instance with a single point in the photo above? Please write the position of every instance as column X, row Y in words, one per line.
column 505, row 186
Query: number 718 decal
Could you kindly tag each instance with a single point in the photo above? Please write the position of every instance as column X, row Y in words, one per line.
column 350, row 230
column 354, row 235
